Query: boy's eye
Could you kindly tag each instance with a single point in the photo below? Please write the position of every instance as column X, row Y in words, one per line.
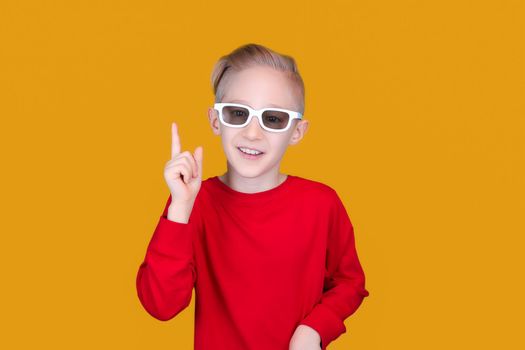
column 276, row 119
column 239, row 113
column 273, row 119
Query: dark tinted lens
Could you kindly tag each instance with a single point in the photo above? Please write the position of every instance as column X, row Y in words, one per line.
column 275, row 119
column 235, row 115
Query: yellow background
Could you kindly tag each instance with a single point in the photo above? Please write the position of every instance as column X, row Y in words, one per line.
column 416, row 118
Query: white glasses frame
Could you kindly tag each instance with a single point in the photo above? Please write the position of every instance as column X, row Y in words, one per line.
column 257, row 113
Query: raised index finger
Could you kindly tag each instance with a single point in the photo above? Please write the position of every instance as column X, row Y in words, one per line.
column 175, row 141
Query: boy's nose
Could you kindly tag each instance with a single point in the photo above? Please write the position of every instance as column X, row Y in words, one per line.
column 253, row 129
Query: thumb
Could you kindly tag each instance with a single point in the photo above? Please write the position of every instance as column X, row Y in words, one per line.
column 198, row 157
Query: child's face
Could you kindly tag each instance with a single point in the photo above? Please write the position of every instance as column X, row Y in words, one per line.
column 258, row 87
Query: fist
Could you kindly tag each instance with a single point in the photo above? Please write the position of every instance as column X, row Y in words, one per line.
column 305, row 338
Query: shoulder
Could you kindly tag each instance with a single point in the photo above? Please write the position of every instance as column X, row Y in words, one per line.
column 208, row 186
column 322, row 200
column 315, row 189
column 206, row 183
column 313, row 185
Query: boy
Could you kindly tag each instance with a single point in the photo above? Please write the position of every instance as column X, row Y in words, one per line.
column 271, row 256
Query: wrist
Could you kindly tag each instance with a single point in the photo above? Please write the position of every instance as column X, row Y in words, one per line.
column 179, row 212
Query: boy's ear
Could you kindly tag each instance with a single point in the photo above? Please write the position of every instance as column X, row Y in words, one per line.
column 213, row 118
column 299, row 131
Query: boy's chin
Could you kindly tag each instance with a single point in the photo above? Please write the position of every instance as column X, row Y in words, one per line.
column 248, row 171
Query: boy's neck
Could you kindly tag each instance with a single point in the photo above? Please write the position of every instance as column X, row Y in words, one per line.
column 261, row 183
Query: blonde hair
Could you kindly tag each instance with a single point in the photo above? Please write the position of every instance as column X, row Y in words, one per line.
column 250, row 55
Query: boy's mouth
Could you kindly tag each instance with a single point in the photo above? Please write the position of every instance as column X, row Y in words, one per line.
column 250, row 153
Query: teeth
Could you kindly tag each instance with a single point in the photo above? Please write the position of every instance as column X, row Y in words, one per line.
column 249, row 151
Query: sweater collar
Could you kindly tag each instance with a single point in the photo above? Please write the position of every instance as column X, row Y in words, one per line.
column 256, row 196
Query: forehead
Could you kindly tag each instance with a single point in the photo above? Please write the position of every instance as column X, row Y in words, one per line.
column 249, row 104
column 260, row 87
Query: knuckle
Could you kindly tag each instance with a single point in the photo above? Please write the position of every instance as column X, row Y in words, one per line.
column 189, row 162
column 180, row 160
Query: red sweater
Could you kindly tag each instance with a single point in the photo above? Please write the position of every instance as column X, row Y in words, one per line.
column 261, row 264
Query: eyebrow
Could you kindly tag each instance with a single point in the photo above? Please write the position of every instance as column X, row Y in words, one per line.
column 246, row 103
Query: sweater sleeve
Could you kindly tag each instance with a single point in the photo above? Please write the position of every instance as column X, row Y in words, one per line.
column 166, row 277
column 344, row 286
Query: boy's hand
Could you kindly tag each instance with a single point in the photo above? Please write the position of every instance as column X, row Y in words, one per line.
column 183, row 172
column 305, row 338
